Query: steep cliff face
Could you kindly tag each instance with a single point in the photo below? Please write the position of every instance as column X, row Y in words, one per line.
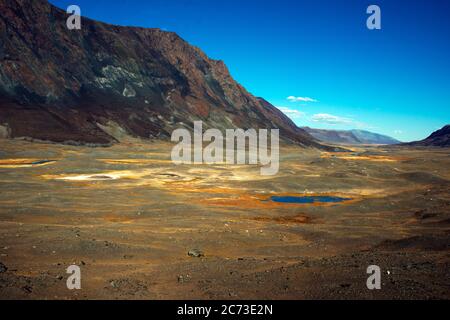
column 71, row 85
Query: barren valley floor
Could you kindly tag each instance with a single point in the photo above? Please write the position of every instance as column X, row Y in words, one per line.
column 128, row 217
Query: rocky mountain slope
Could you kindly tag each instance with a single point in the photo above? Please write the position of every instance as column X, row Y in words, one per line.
column 440, row 138
column 93, row 84
column 350, row 137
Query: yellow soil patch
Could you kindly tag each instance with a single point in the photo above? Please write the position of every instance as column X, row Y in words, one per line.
column 134, row 161
column 24, row 163
column 88, row 177
column 363, row 158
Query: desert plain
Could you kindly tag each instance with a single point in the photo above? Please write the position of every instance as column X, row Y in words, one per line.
column 128, row 217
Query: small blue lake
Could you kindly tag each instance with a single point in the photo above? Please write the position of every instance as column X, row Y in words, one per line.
column 41, row 162
column 308, row 199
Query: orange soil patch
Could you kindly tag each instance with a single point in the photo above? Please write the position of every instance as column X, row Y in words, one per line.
column 118, row 219
column 299, row 219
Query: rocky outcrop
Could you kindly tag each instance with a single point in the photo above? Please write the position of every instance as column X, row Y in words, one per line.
column 68, row 85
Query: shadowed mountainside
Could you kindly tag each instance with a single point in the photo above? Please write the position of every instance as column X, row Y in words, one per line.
column 440, row 138
column 95, row 84
column 350, row 137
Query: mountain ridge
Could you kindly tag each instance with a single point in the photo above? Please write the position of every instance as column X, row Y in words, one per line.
column 70, row 85
column 356, row 137
column 439, row 138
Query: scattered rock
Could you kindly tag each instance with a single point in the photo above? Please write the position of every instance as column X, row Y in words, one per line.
column 196, row 253
column 3, row 268
column 129, row 91
column 183, row 279
column 27, row 289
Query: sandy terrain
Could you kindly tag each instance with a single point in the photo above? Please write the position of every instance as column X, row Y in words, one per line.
column 128, row 217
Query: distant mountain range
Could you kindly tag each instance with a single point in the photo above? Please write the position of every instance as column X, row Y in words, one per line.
column 88, row 85
column 440, row 138
column 356, row 137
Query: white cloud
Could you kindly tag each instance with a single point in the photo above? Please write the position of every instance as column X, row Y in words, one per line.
column 301, row 99
column 331, row 119
column 293, row 114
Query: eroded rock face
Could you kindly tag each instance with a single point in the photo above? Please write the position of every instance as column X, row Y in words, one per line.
column 58, row 84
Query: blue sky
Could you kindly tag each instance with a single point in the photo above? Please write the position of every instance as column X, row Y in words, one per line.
column 394, row 81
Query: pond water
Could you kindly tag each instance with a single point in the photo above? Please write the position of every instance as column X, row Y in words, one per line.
column 35, row 163
column 308, row 199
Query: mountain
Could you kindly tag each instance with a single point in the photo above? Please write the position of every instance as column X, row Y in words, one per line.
column 440, row 138
column 350, row 137
column 94, row 84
